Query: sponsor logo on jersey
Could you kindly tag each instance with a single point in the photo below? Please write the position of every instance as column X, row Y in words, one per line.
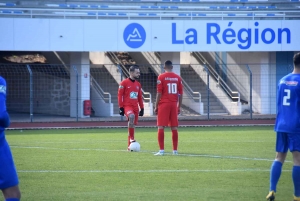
column 2, row 89
column 289, row 83
column 137, row 87
column 171, row 78
column 133, row 95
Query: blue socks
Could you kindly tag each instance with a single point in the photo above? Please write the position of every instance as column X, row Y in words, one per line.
column 12, row 199
column 296, row 180
column 275, row 174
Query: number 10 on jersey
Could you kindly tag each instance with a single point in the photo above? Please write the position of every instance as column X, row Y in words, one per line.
column 172, row 88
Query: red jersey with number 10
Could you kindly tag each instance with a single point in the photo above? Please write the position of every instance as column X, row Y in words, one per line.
column 169, row 85
column 130, row 94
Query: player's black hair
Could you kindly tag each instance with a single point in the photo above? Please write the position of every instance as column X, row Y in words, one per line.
column 168, row 63
column 297, row 60
column 132, row 68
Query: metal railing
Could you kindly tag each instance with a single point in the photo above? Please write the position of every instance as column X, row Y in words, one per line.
column 100, row 91
column 234, row 95
column 196, row 96
column 153, row 14
column 125, row 72
column 94, row 83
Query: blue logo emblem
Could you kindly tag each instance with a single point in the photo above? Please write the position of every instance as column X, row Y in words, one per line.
column 134, row 35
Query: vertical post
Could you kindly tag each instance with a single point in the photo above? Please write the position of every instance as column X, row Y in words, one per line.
column 121, row 74
column 30, row 93
column 207, row 87
column 77, row 91
column 250, row 80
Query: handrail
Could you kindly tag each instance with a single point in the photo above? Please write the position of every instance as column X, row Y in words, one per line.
column 63, row 63
column 190, row 91
column 100, row 90
column 157, row 54
column 283, row 14
column 93, row 81
column 233, row 94
column 154, row 60
column 116, row 60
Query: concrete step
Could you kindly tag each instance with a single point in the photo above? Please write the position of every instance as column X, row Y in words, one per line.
column 216, row 111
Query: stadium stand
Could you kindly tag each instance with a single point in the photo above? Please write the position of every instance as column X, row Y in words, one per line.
column 156, row 9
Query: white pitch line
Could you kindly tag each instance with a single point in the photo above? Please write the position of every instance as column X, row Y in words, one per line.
column 125, row 126
column 143, row 171
column 154, row 141
column 189, row 155
column 65, row 149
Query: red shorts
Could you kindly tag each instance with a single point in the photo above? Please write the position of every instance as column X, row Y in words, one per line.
column 167, row 114
column 132, row 110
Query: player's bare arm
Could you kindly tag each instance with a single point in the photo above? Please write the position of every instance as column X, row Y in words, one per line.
column 158, row 96
column 179, row 102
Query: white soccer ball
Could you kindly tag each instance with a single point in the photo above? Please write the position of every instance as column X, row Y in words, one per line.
column 135, row 147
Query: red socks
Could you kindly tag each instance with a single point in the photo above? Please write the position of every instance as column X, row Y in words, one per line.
column 160, row 137
column 130, row 135
column 175, row 139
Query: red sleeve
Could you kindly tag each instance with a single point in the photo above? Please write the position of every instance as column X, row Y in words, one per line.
column 180, row 91
column 140, row 98
column 159, row 84
column 121, row 93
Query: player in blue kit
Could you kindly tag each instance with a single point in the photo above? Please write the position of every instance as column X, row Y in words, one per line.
column 287, row 127
column 8, row 174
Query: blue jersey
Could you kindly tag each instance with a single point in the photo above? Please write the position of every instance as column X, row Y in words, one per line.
column 288, row 104
column 4, row 117
column 8, row 173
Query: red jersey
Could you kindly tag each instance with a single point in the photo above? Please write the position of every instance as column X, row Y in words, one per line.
column 169, row 85
column 130, row 94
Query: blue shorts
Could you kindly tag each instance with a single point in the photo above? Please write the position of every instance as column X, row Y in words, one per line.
column 8, row 172
column 285, row 141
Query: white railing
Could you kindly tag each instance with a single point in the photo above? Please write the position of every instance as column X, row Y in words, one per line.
column 196, row 96
column 153, row 59
column 100, row 91
column 234, row 95
column 142, row 13
column 116, row 60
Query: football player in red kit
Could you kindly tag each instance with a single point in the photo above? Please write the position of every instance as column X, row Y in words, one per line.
column 130, row 99
column 167, row 106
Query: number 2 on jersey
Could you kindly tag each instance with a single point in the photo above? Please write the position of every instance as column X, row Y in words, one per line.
column 172, row 88
column 287, row 97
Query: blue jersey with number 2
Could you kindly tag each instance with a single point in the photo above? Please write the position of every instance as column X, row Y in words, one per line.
column 288, row 104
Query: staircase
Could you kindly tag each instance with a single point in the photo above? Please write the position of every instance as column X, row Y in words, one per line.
column 107, row 83
column 197, row 84
column 147, row 78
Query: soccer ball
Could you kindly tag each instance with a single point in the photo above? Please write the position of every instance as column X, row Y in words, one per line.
column 135, row 147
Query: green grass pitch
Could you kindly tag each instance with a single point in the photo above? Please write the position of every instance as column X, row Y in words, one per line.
column 214, row 163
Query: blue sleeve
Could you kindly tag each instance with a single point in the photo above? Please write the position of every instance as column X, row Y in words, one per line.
column 4, row 117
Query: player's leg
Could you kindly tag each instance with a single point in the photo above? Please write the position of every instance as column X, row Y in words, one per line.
column 174, row 125
column 162, row 121
column 175, row 140
column 129, row 112
column 12, row 193
column 133, row 120
column 161, row 141
column 276, row 168
column 296, row 175
column 8, row 174
column 131, row 126
column 294, row 146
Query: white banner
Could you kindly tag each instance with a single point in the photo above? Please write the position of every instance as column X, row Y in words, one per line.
column 146, row 35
